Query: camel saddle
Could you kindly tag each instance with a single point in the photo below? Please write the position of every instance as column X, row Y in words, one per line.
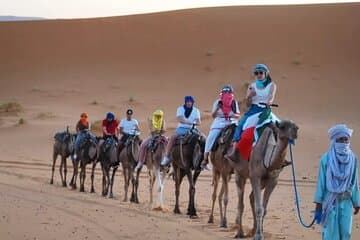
column 155, row 141
column 187, row 138
column 225, row 136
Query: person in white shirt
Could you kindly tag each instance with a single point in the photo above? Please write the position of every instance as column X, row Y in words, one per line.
column 225, row 111
column 188, row 117
column 127, row 127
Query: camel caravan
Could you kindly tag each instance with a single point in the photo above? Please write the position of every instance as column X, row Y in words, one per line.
column 252, row 147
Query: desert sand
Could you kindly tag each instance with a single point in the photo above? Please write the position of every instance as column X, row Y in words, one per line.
column 57, row 69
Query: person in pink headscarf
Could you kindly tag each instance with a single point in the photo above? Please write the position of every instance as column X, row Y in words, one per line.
column 225, row 111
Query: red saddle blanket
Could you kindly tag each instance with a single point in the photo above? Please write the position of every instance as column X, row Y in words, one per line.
column 245, row 144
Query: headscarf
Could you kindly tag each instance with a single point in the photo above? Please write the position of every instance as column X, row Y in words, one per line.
column 340, row 167
column 188, row 110
column 227, row 98
column 157, row 120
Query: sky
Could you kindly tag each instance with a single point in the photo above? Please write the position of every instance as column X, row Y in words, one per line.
column 101, row 8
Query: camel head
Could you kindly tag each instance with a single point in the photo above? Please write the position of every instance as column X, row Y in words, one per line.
column 287, row 130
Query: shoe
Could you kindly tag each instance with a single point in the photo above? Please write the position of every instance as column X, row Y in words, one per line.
column 165, row 161
column 139, row 166
column 206, row 167
column 74, row 156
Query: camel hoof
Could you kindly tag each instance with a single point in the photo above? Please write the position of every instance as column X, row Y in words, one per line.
column 240, row 235
column 193, row 216
column 64, row 184
column 177, row 211
column 111, row 195
column 92, row 190
column 211, row 219
column 82, row 189
column 137, row 201
column 258, row 237
column 51, row 181
column 223, row 225
column 73, row 187
column 125, row 200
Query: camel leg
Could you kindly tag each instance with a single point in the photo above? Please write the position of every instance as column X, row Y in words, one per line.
column 82, row 176
column 103, row 192
column 240, row 187
column 252, row 204
column 220, row 199
column 191, row 207
column 126, row 183
column 65, row 172
column 53, row 167
column 215, row 180
column 160, row 186
column 151, row 186
column 256, row 186
column 107, row 180
column 179, row 175
column 269, row 188
column 61, row 169
column 93, row 176
column 137, row 185
column 225, row 180
column 74, row 178
column 111, row 195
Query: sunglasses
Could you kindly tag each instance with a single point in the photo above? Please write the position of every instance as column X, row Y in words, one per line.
column 258, row 73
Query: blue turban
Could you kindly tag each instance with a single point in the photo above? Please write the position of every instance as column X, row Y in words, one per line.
column 338, row 131
column 189, row 99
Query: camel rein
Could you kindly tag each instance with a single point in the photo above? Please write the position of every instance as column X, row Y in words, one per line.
column 297, row 198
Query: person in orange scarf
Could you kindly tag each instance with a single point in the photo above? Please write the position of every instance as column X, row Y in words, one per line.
column 82, row 127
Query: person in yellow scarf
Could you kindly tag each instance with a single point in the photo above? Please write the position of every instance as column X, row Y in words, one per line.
column 157, row 127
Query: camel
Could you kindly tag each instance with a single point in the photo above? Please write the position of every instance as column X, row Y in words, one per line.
column 128, row 157
column 86, row 154
column 108, row 157
column 186, row 159
column 221, row 168
column 262, row 178
column 154, row 155
column 63, row 146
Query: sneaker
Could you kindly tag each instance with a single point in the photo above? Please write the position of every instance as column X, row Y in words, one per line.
column 206, row 167
column 139, row 165
column 165, row 161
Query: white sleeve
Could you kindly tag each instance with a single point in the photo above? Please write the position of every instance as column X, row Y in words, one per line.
column 197, row 114
column 215, row 105
column 180, row 112
column 136, row 122
column 237, row 106
column 121, row 125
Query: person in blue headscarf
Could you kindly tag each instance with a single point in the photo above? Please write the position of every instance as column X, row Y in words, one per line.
column 187, row 116
column 337, row 191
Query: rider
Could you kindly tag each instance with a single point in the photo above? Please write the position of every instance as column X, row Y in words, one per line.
column 157, row 128
column 225, row 110
column 127, row 127
column 110, row 126
column 187, row 116
column 263, row 90
column 82, row 126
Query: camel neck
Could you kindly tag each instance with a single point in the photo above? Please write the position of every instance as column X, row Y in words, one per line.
column 280, row 153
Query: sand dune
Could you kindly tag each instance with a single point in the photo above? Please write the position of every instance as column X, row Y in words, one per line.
column 57, row 69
